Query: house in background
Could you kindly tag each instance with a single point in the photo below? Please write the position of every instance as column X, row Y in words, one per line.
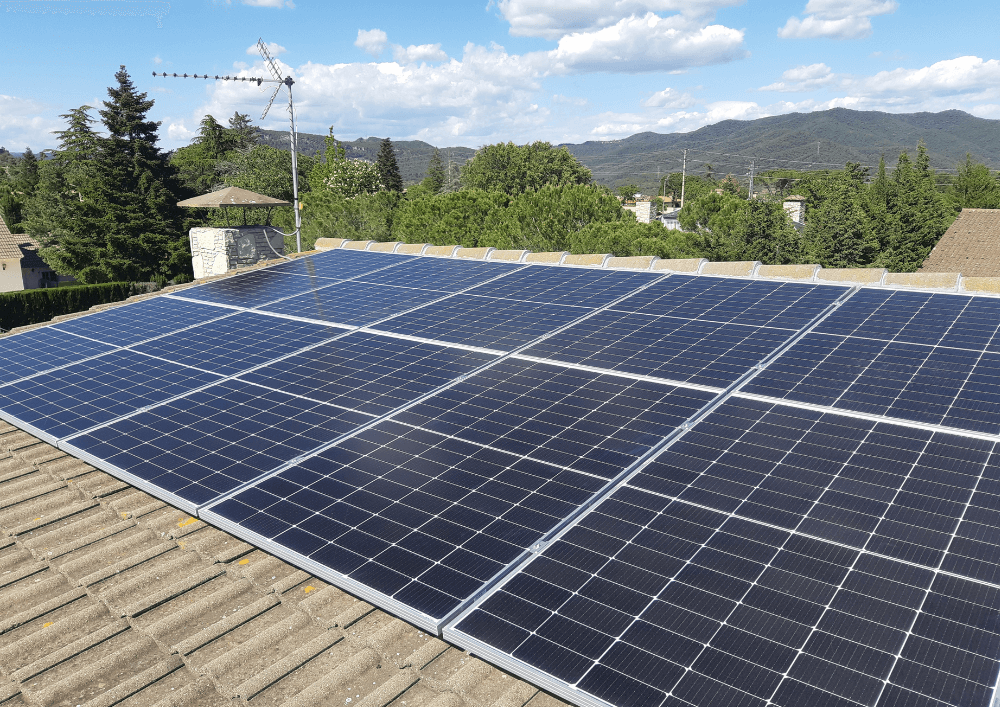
column 21, row 268
column 970, row 246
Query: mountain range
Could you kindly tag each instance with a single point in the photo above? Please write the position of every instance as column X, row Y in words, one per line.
column 805, row 141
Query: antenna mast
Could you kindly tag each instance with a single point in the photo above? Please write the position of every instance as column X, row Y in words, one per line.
column 293, row 142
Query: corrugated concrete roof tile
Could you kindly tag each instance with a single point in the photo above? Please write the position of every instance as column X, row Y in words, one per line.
column 971, row 245
column 112, row 597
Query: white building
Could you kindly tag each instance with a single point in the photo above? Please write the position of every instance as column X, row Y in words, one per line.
column 21, row 268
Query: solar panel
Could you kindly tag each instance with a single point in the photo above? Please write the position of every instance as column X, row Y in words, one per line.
column 367, row 372
column 411, row 519
column 928, row 384
column 234, row 344
column 353, row 303
column 68, row 400
column 652, row 601
column 598, row 424
column 692, row 351
column 340, row 264
column 486, row 322
column 789, row 305
column 250, row 289
column 553, row 285
column 131, row 323
column 31, row 352
column 440, row 274
column 194, row 449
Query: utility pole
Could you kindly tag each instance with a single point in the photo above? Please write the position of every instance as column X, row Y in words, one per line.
column 684, row 171
column 750, row 193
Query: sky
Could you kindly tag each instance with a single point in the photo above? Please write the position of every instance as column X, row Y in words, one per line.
column 474, row 73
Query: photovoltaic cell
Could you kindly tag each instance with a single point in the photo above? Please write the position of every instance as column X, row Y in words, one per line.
column 197, row 448
column 929, row 384
column 75, row 398
column 440, row 274
column 421, row 519
column 692, row 351
column 651, row 601
column 39, row 350
column 370, row 373
column 486, row 322
column 239, row 342
column 131, row 323
column 599, row 424
column 554, row 285
column 251, row 289
column 353, row 303
column 340, row 264
column 788, row 305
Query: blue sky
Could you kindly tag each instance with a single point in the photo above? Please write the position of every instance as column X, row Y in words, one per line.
column 460, row 73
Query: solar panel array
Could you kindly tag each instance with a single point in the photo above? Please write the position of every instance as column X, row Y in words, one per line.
column 630, row 488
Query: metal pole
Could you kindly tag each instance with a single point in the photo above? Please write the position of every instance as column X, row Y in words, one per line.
column 295, row 169
column 750, row 193
column 684, row 171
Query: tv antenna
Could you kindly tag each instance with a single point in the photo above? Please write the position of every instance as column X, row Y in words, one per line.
column 272, row 66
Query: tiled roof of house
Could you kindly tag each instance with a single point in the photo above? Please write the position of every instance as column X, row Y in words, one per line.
column 8, row 245
column 971, row 246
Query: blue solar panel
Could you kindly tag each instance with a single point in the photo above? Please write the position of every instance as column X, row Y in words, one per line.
column 483, row 321
column 595, row 423
column 75, row 398
column 194, row 449
column 553, row 285
column 38, row 350
column 692, row 351
column 650, row 601
column 239, row 342
column 373, row 374
column 788, row 305
column 353, row 303
column 929, row 384
column 340, row 264
column 136, row 322
column 251, row 289
column 440, row 274
column 410, row 518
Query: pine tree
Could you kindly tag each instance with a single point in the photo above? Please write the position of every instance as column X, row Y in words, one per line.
column 388, row 168
column 27, row 173
column 435, row 173
column 242, row 134
column 838, row 233
column 975, row 187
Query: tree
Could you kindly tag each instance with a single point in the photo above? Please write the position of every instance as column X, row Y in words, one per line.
column 627, row 192
column 546, row 219
column 838, row 233
column 12, row 210
column 764, row 232
column 514, row 169
column 127, row 226
column 388, row 168
column 27, row 173
column 365, row 217
column 920, row 214
column 461, row 217
column 266, row 170
column 974, row 187
column 339, row 175
column 241, row 134
column 434, row 180
column 628, row 238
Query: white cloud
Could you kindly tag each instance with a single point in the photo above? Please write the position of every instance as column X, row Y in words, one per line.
column 802, row 78
column 270, row 3
column 273, row 47
column 669, row 98
column 837, row 19
column 650, row 43
column 157, row 60
column 178, row 132
column 371, row 41
column 553, row 19
column 966, row 73
column 25, row 123
column 416, row 54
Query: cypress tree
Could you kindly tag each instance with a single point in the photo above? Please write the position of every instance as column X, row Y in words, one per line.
column 388, row 168
column 839, row 234
column 435, row 173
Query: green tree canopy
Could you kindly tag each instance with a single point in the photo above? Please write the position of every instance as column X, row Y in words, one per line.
column 975, row 187
column 434, row 181
column 457, row 217
column 388, row 168
column 514, row 169
column 838, row 233
column 339, row 175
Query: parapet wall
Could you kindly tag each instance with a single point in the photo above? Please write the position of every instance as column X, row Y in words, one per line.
column 870, row 277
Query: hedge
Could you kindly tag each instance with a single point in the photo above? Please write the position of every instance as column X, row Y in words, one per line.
column 34, row 306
